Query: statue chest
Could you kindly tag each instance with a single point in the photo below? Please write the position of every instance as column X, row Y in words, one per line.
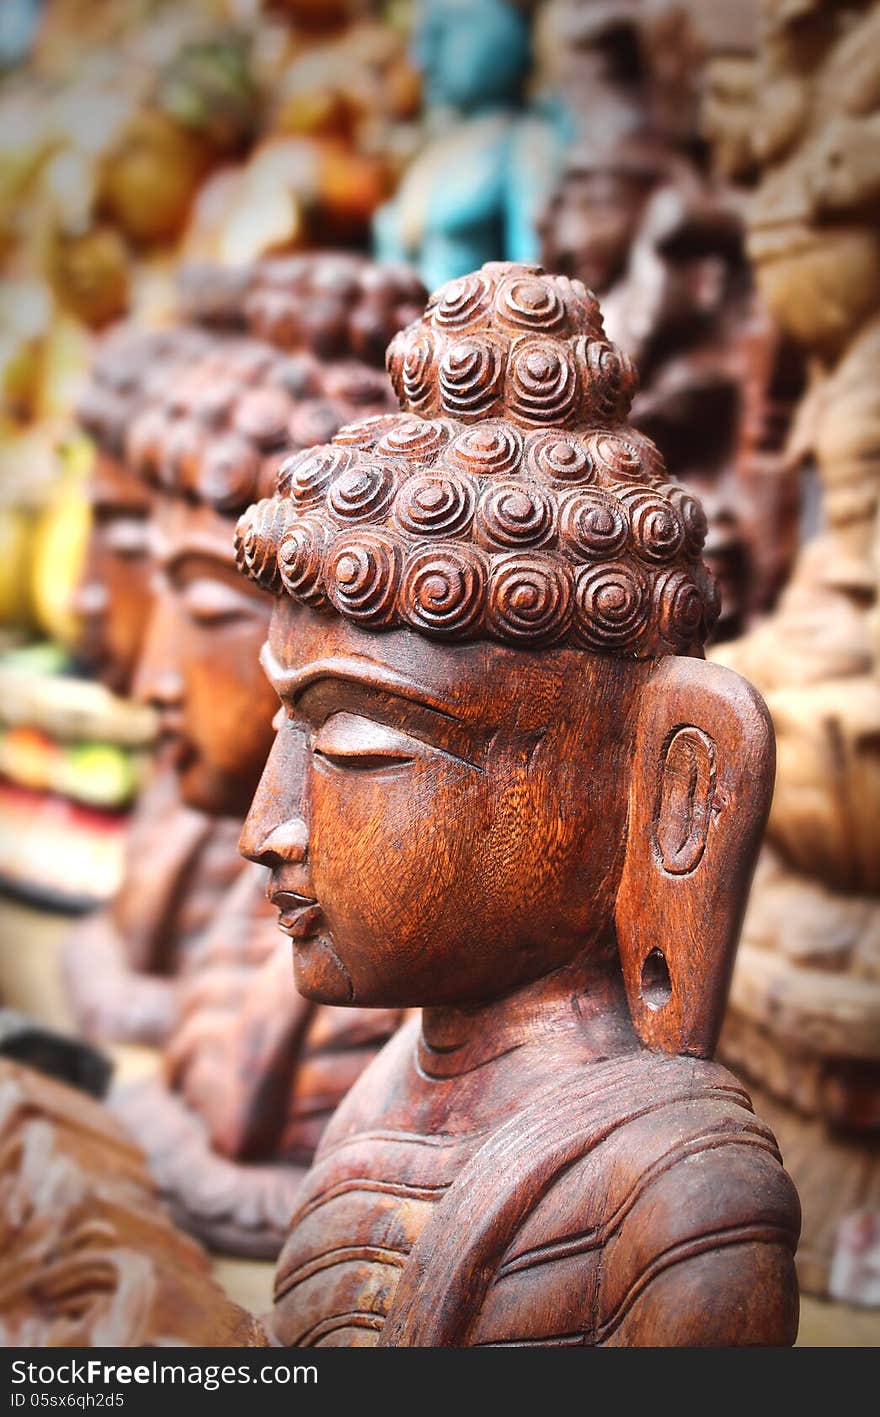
column 389, row 1165
column 363, row 1206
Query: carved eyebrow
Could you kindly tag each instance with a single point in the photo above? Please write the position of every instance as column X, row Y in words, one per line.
column 292, row 683
column 169, row 554
column 106, row 502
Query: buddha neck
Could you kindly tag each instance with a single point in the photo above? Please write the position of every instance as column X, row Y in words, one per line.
column 585, row 999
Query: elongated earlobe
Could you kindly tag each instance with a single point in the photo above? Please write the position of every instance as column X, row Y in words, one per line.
column 701, row 788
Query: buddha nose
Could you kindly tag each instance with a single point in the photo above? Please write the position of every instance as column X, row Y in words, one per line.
column 275, row 830
column 158, row 681
column 286, row 844
column 159, row 685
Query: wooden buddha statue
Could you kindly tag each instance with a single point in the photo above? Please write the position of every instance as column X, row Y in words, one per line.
column 251, row 1072
column 119, row 962
column 132, row 368
column 507, row 788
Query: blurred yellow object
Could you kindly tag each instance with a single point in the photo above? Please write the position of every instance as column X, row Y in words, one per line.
column 21, row 366
column 15, row 545
column 89, row 274
column 61, row 535
column 45, row 355
column 28, row 466
column 151, row 176
column 27, row 314
column 66, row 361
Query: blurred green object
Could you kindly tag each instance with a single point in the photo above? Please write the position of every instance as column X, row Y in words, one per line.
column 210, row 88
column 41, row 658
column 99, row 774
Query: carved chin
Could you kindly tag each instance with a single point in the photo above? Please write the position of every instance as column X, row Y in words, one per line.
column 319, row 972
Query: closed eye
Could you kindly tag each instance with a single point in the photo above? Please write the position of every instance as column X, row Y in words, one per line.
column 348, row 741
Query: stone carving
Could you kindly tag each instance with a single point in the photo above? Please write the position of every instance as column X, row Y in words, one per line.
column 507, row 787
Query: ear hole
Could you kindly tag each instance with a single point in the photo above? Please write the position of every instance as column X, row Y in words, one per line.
column 684, row 800
column 656, row 984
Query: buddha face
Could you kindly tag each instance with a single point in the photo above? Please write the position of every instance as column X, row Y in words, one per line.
column 439, row 823
column 200, row 667
column 589, row 228
column 114, row 597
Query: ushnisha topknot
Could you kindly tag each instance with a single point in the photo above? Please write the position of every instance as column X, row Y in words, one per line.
column 231, row 415
column 294, row 352
column 508, row 500
column 335, row 304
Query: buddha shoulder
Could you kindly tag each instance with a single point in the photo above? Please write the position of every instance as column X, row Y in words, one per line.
column 640, row 1201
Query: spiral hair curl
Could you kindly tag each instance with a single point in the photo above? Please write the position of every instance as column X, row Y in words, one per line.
column 294, row 353
column 508, row 499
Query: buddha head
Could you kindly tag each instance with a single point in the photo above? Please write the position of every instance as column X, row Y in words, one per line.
column 814, row 227
column 500, row 748
column 204, row 452
column 113, row 599
column 207, row 450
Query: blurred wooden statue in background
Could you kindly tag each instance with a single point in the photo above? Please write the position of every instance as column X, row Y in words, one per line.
column 120, row 963
column 251, row 1071
column 805, row 1004
column 639, row 220
column 90, row 1257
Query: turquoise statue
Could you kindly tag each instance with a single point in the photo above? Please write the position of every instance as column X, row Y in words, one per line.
column 474, row 190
